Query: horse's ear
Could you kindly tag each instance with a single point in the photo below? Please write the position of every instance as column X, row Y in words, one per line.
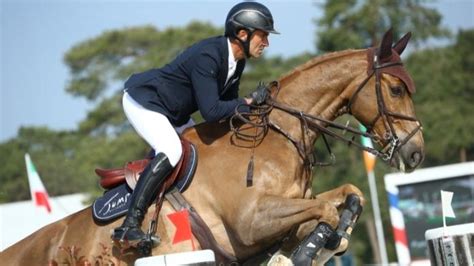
column 386, row 45
column 402, row 43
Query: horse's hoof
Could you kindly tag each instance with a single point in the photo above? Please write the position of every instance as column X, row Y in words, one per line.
column 344, row 241
column 280, row 260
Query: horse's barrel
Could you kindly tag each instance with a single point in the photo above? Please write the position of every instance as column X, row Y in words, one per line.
column 453, row 245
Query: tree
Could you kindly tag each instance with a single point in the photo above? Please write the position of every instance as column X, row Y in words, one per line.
column 53, row 155
column 359, row 24
column 100, row 66
column 445, row 94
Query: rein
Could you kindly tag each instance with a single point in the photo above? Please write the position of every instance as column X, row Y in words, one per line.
column 259, row 119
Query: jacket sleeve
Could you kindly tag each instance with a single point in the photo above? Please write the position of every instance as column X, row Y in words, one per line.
column 204, row 77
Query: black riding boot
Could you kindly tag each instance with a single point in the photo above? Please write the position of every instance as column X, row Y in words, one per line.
column 143, row 195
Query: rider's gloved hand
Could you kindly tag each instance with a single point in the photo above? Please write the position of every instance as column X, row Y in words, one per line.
column 260, row 94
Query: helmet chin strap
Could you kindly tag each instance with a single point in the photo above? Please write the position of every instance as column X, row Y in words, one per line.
column 246, row 43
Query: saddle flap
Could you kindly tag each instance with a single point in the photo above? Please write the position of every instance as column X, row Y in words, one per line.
column 109, row 178
column 184, row 170
column 133, row 170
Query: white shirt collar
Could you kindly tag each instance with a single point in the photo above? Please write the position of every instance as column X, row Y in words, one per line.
column 232, row 65
column 231, row 54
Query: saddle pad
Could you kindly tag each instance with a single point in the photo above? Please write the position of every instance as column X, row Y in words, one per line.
column 113, row 204
column 116, row 201
column 186, row 176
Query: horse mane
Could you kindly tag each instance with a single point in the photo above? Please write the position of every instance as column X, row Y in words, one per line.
column 317, row 60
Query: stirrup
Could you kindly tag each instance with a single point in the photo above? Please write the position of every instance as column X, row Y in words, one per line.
column 143, row 244
column 119, row 237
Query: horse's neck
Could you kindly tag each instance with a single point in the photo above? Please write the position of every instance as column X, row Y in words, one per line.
column 319, row 88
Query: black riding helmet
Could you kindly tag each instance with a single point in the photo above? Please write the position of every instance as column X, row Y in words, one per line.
column 248, row 16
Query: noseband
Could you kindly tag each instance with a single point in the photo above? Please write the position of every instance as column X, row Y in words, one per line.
column 325, row 127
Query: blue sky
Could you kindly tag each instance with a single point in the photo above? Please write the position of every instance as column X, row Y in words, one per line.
column 35, row 34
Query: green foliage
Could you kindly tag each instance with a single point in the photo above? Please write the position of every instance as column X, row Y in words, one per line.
column 445, row 94
column 106, row 118
column 357, row 24
column 51, row 152
column 113, row 56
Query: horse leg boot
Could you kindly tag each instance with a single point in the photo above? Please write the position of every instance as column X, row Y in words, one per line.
column 349, row 216
column 130, row 232
column 304, row 254
column 339, row 242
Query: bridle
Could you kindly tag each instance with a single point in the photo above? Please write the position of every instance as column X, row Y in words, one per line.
column 259, row 119
column 388, row 117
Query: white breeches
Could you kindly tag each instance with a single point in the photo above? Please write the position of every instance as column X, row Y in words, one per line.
column 155, row 129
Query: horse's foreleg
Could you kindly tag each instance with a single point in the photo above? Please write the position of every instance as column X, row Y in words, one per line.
column 338, row 195
column 349, row 200
column 349, row 217
column 271, row 216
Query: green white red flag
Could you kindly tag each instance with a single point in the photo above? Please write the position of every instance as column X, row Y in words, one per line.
column 39, row 195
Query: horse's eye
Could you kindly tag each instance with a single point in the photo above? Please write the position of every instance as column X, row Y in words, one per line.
column 397, row 91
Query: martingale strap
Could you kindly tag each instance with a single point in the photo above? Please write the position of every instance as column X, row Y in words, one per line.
column 199, row 228
column 205, row 238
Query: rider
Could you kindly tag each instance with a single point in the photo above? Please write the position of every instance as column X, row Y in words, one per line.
column 205, row 77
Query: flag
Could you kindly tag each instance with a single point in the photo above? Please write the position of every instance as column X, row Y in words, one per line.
column 446, row 198
column 369, row 158
column 39, row 195
column 180, row 219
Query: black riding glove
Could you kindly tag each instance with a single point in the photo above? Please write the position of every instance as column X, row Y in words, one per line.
column 260, row 94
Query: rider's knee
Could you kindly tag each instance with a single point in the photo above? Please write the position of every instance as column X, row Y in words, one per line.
column 174, row 154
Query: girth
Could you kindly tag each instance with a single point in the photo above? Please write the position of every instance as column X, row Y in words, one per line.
column 199, row 228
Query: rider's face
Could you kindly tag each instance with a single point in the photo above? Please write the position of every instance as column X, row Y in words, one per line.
column 258, row 42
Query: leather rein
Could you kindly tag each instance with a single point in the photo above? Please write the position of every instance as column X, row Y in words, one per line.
column 325, row 127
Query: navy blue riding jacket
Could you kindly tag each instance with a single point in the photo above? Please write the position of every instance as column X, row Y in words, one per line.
column 194, row 80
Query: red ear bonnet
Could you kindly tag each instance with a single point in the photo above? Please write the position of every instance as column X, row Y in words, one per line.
column 387, row 54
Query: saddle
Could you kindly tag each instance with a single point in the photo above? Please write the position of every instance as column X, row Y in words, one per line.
column 110, row 178
column 120, row 182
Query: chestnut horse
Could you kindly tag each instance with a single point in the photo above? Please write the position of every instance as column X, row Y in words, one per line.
column 370, row 84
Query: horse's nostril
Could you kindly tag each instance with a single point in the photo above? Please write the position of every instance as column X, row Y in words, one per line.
column 415, row 159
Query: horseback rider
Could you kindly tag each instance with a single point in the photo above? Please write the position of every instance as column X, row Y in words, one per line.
column 205, row 77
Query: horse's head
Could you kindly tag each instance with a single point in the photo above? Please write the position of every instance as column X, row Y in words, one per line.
column 383, row 104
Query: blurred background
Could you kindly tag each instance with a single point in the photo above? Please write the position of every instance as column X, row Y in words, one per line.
column 63, row 64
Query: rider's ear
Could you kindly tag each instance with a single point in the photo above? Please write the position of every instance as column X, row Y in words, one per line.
column 242, row 34
column 402, row 43
column 386, row 45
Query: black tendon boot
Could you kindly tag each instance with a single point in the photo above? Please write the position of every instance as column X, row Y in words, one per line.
column 306, row 252
column 130, row 233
